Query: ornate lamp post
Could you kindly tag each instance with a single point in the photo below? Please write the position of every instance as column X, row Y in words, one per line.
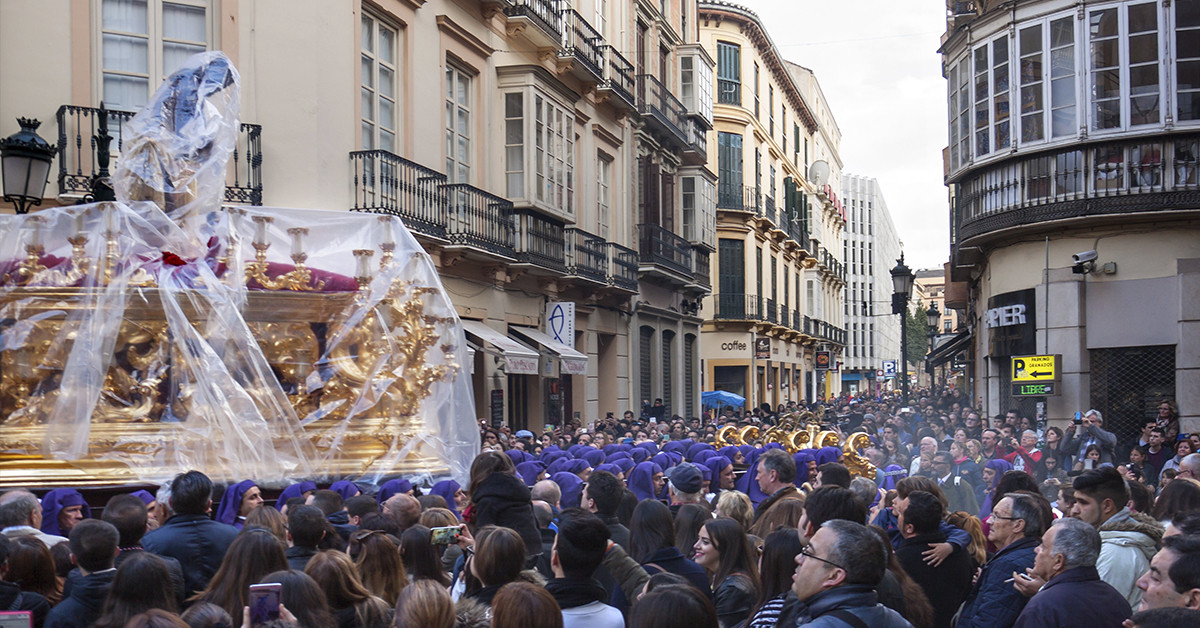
column 902, row 283
column 932, row 319
column 25, row 165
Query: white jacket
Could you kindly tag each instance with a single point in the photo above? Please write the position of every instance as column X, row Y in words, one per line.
column 1128, row 542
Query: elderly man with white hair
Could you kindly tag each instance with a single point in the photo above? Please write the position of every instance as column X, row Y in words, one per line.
column 1090, row 433
column 1026, row 456
column 922, row 462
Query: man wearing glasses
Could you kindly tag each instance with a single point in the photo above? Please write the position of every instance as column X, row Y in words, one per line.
column 836, row 576
column 1015, row 526
column 960, row 495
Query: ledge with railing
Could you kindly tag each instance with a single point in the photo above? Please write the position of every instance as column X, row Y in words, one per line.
column 623, row 267
column 1126, row 176
column 582, row 43
column 618, row 76
column 797, row 322
column 769, row 210
column 697, row 137
column 587, row 255
column 547, row 15
column 772, row 311
column 386, row 183
column 736, row 306
column 701, row 272
column 540, row 241
column 729, row 92
column 478, row 219
column 77, row 154
column 664, row 249
column 656, row 102
column 738, row 197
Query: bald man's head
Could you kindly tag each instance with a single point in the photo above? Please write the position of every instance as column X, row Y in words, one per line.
column 404, row 509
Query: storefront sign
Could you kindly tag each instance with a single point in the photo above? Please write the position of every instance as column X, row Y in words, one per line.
column 497, row 407
column 762, row 348
column 560, row 322
column 823, row 360
column 1011, row 323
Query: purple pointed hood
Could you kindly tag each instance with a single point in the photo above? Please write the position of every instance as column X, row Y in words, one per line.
column 53, row 504
column 392, row 487
column 231, row 503
column 447, row 489
column 345, row 488
column 294, row 490
column 571, row 487
column 530, row 470
column 641, row 480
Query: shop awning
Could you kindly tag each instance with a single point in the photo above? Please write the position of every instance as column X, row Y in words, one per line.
column 946, row 351
column 572, row 361
column 518, row 359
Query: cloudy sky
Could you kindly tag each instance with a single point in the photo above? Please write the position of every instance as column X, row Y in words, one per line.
column 878, row 65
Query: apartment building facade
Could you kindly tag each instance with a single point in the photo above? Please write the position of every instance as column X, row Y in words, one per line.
column 549, row 156
column 870, row 249
column 1074, row 130
column 776, row 306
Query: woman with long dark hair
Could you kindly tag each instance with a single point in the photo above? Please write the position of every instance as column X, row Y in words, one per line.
column 302, row 597
column 31, row 567
column 497, row 561
column 776, row 567
column 652, row 544
column 723, row 549
column 254, row 553
column 420, row 556
column 688, row 521
column 379, row 565
column 142, row 582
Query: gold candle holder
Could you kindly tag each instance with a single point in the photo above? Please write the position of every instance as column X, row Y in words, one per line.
column 31, row 266
column 299, row 279
column 362, row 273
column 388, row 244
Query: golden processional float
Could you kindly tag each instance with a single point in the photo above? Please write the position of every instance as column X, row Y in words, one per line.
column 798, row 431
column 165, row 332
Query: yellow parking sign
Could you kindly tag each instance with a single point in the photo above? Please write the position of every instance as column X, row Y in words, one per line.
column 1035, row 368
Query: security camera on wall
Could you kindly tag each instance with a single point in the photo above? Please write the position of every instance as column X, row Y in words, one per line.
column 1084, row 257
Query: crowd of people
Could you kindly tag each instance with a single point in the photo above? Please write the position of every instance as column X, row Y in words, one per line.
column 656, row 521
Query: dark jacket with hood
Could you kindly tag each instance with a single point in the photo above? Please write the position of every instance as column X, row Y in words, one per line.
column 945, row 585
column 82, row 607
column 859, row 600
column 502, row 499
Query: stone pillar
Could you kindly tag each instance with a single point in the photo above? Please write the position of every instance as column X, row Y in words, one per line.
column 1187, row 351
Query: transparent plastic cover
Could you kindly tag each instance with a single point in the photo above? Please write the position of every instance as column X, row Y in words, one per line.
column 166, row 332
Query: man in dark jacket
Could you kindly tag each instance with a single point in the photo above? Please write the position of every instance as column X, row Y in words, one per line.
column 1016, row 528
column 93, row 549
column 190, row 536
column 601, row 496
column 12, row 598
column 1073, row 594
column 836, row 577
column 502, row 499
column 334, row 509
column 776, row 474
column 306, row 528
column 128, row 514
column 947, row 584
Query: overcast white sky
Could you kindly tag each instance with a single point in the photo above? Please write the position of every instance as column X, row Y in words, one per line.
column 878, row 65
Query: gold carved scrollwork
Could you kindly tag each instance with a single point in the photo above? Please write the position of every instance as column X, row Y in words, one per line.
column 131, row 387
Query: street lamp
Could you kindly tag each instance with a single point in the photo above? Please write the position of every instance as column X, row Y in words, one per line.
column 902, row 283
column 932, row 319
column 25, row 165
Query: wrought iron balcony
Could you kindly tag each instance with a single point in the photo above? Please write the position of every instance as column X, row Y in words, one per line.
column 658, row 105
column 386, row 183
column 785, row 315
column 618, row 77
column 77, row 154
column 479, row 220
column 546, row 17
column 583, row 44
column 587, row 256
column 734, row 306
column 772, row 311
column 701, row 272
column 540, row 241
column 769, row 210
column 808, row 327
column 797, row 320
column 798, row 231
column 738, row 198
column 664, row 249
column 623, row 267
column 695, row 151
column 729, row 92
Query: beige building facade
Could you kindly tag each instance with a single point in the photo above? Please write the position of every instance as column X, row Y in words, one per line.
column 777, row 279
column 550, row 156
column 1074, row 130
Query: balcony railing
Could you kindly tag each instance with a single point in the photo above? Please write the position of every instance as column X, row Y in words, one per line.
column 618, row 76
column 587, row 255
column 658, row 103
column 701, row 272
column 797, row 320
column 737, row 306
column 738, row 198
column 480, row 220
column 582, row 42
column 769, row 210
column 623, row 267
column 798, row 231
column 663, row 248
column 386, row 183
column 541, row 241
column 808, row 326
column 697, row 137
column 546, row 14
column 1162, row 173
column 772, row 312
column 729, row 92
column 77, row 154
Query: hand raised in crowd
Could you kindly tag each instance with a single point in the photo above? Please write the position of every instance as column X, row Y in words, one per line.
column 937, row 553
column 284, row 614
